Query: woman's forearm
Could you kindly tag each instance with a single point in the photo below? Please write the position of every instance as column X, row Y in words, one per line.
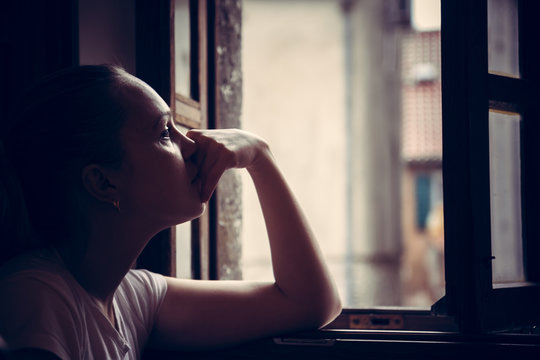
column 298, row 265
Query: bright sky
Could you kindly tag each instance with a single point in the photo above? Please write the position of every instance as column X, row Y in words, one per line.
column 426, row 14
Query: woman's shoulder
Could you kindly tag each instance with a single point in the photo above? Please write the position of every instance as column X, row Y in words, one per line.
column 38, row 305
column 141, row 282
column 143, row 276
column 37, row 274
column 141, row 292
column 37, row 263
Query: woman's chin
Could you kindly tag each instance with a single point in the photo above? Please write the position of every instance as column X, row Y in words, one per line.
column 201, row 211
column 196, row 214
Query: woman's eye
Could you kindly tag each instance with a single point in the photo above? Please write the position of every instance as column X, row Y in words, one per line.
column 165, row 134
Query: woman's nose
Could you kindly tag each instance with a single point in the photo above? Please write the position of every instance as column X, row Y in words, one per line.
column 187, row 147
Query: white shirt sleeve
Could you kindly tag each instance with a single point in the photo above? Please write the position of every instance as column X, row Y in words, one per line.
column 139, row 298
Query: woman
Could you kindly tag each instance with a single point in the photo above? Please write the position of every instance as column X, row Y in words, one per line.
column 102, row 168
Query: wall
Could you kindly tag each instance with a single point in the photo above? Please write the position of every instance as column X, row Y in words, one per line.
column 36, row 38
column 107, row 33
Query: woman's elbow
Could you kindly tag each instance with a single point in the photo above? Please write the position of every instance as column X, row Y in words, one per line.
column 323, row 312
column 333, row 309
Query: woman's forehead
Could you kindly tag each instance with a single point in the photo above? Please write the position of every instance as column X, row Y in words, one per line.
column 143, row 104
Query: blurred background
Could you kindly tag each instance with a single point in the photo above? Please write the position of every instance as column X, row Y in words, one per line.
column 348, row 94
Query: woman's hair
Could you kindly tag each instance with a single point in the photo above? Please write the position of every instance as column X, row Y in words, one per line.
column 67, row 120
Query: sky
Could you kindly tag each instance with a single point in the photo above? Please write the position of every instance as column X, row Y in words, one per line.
column 426, row 14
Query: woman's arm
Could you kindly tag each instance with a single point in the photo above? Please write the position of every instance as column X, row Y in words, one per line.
column 216, row 313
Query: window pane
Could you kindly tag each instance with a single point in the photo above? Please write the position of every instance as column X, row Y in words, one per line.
column 505, row 188
column 183, row 250
column 503, row 44
column 181, row 47
column 182, row 235
column 349, row 100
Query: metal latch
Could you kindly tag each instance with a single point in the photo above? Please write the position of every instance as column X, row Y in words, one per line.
column 376, row 321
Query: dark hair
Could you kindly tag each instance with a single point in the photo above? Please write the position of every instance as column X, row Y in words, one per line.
column 67, row 120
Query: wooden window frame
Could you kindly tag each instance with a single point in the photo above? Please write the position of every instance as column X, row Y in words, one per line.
column 192, row 113
column 155, row 65
column 206, row 107
column 469, row 91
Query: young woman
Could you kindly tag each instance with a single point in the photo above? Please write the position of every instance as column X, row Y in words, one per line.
column 101, row 167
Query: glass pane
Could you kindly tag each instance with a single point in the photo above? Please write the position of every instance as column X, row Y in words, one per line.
column 183, row 250
column 505, row 188
column 183, row 241
column 350, row 101
column 182, row 47
column 503, row 44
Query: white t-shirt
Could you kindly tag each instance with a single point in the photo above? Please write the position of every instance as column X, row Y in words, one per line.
column 43, row 306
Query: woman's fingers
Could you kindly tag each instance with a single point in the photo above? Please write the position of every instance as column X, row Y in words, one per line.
column 194, row 134
column 211, row 159
column 209, row 173
column 219, row 150
column 210, row 181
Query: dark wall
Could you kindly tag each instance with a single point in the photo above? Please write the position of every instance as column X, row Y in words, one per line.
column 36, row 38
column 107, row 33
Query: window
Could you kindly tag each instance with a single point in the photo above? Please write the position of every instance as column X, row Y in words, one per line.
column 489, row 172
column 489, row 150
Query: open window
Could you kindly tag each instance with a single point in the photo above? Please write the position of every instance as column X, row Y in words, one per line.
column 480, row 63
column 478, row 155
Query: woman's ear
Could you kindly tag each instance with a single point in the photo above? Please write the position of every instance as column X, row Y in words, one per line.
column 98, row 183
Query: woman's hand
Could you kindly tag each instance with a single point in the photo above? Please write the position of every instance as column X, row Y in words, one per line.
column 220, row 150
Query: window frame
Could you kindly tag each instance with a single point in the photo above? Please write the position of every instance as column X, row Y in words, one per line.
column 192, row 113
column 469, row 91
column 155, row 65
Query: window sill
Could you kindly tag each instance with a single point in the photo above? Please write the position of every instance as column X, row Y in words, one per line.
column 392, row 318
column 374, row 344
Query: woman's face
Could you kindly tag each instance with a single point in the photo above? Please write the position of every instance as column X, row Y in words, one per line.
column 155, row 179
